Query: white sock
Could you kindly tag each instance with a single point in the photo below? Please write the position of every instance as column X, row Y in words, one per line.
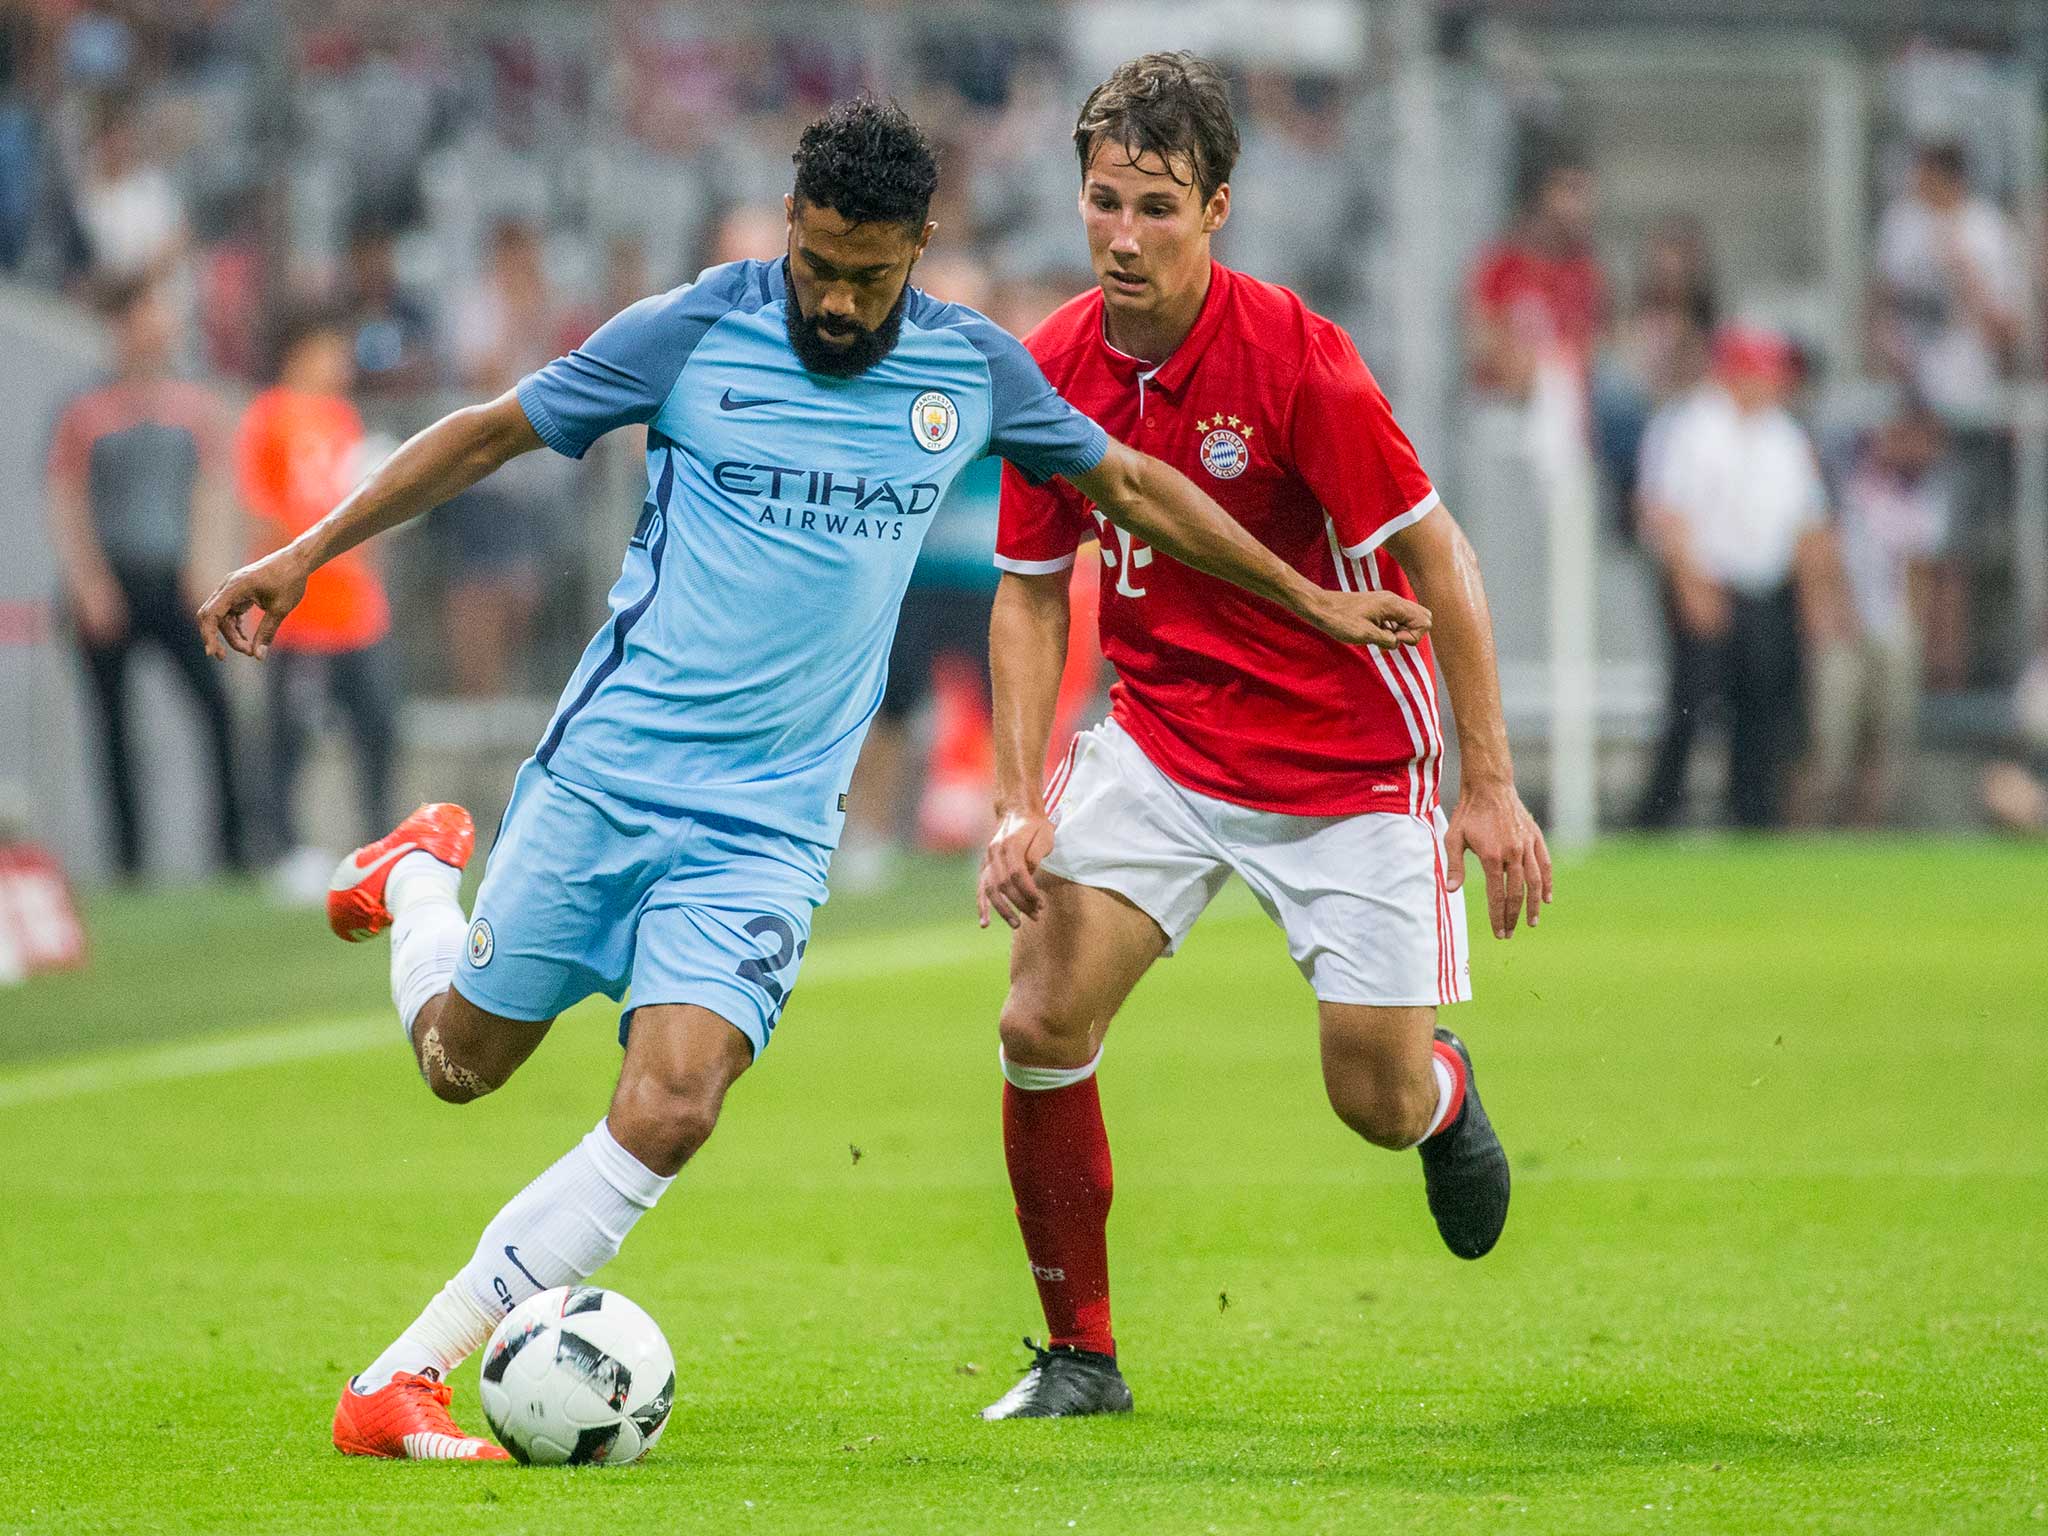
column 1044, row 1079
column 428, row 930
column 563, row 1227
column 1444, row 1085
column 451, row 1330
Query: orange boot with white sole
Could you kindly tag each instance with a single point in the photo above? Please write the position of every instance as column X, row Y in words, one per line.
column 355, row 896
column 407, row 1419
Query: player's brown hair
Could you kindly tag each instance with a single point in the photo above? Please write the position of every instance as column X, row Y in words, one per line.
column 1173, row 105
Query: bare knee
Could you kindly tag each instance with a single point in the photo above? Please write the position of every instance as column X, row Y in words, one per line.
column 1391, row 1114
column 1036, row 1033
column 662, row 1122
column 451, row 1072
column 464, row 1052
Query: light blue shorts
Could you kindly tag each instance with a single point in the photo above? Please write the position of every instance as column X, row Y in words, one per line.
column 588, row 893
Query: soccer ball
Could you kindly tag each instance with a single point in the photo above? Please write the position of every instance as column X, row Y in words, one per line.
column 578, row 1374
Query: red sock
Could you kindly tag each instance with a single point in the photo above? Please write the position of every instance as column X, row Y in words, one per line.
column 1447, row 1061
column 1058, row 1154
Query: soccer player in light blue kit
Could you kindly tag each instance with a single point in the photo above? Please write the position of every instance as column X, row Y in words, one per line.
column 671, row 832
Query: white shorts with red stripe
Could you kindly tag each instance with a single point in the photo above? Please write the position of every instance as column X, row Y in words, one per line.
column 1362, row 899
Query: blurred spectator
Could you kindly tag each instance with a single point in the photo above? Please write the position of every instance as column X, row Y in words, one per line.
column 1022, row 181
column 506, row 323
column 1892, row 519
column 750, row 232
column 501, row 534
column 2015, row 787
column 393, row 338
column 1297, row 212
column 1540, row 294
column 297, row 453
column 1952, row 286
column 1733, row 508
column 129, row 208
column 385, row 112
column 23, row 71
column 1952, row 300
column 1660, row 348
column 143, row 525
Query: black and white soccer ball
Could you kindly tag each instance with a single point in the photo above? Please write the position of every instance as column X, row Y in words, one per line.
column 575, row 1375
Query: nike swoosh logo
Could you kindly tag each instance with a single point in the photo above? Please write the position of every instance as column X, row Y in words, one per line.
column 513, row 1254
column 731, row 402
column 353, row 871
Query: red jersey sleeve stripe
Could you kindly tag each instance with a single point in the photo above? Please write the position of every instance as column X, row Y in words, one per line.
column 1392, row 526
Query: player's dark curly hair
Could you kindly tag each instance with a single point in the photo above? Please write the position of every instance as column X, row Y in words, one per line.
column 869, row 163
column 1172, row 105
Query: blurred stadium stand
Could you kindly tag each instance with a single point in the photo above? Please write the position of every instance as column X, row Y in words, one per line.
column 1384, row 144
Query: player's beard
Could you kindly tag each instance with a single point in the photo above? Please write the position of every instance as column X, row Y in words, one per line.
column 867, row 348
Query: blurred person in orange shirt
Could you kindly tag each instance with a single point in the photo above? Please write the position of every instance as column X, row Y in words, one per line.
column 299, row 449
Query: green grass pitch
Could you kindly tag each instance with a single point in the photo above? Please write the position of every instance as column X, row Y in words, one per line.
column 1778, row 1259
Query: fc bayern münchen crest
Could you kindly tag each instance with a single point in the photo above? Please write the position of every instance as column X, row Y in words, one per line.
column 481, row 944
column 1226, row 445
column 1224, row 454
column 934, row 421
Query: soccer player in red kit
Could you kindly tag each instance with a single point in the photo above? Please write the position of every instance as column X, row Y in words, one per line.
column 1240, row 741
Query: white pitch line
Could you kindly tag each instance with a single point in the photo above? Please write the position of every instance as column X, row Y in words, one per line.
column 852, row 959
column 856, row 957
column 197, row 1058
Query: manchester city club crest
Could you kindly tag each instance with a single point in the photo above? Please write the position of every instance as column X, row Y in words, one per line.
column 481, row 943
column 934, row 421
column 1226, row 446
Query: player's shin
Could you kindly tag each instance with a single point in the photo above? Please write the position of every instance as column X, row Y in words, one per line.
column 1058, row 1156
column 563, row 1227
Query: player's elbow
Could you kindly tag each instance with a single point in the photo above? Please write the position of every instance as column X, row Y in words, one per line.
column 1120, row 484
column 492, row 433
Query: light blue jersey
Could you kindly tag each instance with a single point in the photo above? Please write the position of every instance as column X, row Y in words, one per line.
column 750, row 628
column 671, row 834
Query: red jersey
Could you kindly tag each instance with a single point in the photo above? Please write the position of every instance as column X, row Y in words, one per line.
column 1555, row 303
column 1266, row 406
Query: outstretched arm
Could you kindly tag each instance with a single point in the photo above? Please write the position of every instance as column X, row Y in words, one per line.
column 1027, row 649
column 1164, row 508
column 433, row 466
column 1490, row 818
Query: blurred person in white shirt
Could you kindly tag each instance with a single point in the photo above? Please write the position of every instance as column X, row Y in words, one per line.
column 1734, row 510
column 1951, row 309
column 133, row 216
column 1952, row 295
column 1891, row 523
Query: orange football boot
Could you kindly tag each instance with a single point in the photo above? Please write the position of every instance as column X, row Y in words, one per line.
column 355, row 896
column 407, row 1420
